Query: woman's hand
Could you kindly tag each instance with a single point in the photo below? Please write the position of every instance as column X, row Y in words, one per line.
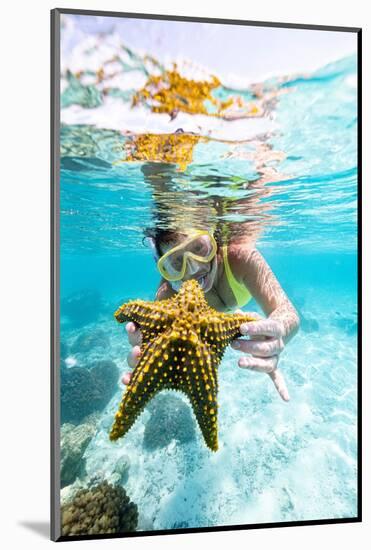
column 263, row 349
column 135, row 339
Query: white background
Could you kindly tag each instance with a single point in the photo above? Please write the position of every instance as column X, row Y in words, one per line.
column 24, row 301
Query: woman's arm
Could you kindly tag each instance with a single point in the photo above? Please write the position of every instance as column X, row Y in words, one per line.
column 270, row 295
column 263, row 285
column 267, row 337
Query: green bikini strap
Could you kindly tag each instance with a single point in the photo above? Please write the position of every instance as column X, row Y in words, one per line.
column 241, row 293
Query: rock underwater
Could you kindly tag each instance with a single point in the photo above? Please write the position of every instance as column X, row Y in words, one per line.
column 74, row 441
column 170, row 419
column 85, row 390
column 183, row 342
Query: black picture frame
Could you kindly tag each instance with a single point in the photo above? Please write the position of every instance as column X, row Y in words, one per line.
column 55, row 267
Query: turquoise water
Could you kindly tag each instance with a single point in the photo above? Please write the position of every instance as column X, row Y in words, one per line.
column 277, row 461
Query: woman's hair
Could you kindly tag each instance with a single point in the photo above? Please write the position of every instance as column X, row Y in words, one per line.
column 160, row 236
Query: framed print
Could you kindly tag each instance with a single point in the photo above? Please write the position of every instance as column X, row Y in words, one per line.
column 205, row 274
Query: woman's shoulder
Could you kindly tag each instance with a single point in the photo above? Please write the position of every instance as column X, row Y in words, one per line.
column 239, row 254
column 246, row 262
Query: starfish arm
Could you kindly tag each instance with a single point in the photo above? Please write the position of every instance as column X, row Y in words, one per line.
column 241, row 318
column 148, row 378
column 195, row 373
column 151, row 317
column 202, row 392
column 219, row 330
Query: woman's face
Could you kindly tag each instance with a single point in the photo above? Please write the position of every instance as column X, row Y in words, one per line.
column 203, row 272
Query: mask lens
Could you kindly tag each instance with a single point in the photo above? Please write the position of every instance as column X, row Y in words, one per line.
column 201, row 246
column 174, row 263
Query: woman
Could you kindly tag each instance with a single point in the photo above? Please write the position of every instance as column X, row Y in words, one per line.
column 229, row 276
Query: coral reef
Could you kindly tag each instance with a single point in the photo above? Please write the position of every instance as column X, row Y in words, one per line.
column 183, row 342
column 74, row 440
column 100, row 509
column 170, row 419
column 87, row 389
column 89, row 340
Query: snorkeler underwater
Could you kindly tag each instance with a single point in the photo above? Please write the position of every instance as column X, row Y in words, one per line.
column 207, row 355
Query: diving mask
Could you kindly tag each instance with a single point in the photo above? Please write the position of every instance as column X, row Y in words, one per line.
column 198, row 247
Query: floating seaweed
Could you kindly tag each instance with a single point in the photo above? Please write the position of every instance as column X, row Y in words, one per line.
column 171, row 92
column 176, row 148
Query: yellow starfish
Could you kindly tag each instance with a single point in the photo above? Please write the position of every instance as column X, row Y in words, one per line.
column 183, row 342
